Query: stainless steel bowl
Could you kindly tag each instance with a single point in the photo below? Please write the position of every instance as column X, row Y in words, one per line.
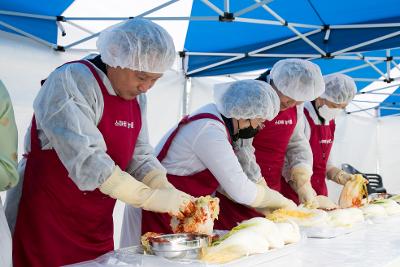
column 179, row 246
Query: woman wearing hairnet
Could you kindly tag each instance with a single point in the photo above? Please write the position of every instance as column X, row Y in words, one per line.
column 199, row 156
column 8, row 168
column 319, row 128
column 88, row 146
column 295, row 81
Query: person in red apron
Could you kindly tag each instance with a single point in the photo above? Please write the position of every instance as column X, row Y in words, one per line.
column 198, row 154
column 87, row 143
column 319, row 128
column 295, row 81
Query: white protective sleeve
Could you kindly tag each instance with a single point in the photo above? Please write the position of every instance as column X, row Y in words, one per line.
column 244, row 151
column 298, row 152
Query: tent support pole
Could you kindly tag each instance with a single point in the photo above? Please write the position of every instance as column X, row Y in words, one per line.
column 358, row 67
column 187, row 85
column 227, row 6
column 213, row 7
column 372, row 65
column 252, row 7
column 282, row 42
column 215, row 64
column 37, row 39
column 27, row 15
column 79, row 27
column 186, row 96
column 395, row 65
column 293, row 29
column 388, row 69
column 378, row 39
column 158, row 8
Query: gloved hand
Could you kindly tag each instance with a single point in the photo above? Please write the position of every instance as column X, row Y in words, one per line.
column 300, row 183
column 157, row 179
column 339, row 176
column 121, row 185
column 268, row 199
column 325, row 203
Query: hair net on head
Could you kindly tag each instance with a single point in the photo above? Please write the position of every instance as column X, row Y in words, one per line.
column 246, row 99
column 137, row 44
column 298, row 79
column 339, row 88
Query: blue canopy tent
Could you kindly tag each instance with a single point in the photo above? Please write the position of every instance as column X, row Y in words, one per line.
column 358, row 37
column 251, row 35
column 34, row 19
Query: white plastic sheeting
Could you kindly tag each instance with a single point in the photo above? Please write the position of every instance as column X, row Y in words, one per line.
column 373, row 245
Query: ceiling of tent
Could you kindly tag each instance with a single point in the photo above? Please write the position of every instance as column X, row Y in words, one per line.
column 359, row 38
column 262, row 27
column 42, row 22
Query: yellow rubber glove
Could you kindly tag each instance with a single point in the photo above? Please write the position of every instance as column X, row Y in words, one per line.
column 300, row 183
column 157, row 179
column 325, row 203
column 268, row 199
column 339, row 176
column 122, row 186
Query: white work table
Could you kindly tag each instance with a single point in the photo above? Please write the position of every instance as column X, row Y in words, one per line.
column 372, row 245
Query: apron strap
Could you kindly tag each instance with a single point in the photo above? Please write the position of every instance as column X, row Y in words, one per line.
column 185, row 120
column 94, row 72
column 35, row 142
column 308, row 117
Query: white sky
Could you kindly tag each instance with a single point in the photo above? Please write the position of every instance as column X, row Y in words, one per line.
column 124, row 8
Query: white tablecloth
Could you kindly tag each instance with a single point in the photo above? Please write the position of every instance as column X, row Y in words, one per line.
column 372, row 245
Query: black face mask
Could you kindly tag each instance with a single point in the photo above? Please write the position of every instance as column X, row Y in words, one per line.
column 245, row 133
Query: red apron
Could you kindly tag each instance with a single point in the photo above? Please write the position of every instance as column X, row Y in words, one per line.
column 199, row 184
column 57, row 223
column 321, row 140
column 270, row 145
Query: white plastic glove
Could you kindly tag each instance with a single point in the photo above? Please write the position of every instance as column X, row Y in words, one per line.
column 300, row 182
column 325, row 203
column 157, row 179
column 339, row 176
column 268, row 199
column 121, row 185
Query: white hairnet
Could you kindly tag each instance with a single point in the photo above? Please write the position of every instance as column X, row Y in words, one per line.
column 137, row 44
column 339, row 88
column 298, row 79
column 246, row 99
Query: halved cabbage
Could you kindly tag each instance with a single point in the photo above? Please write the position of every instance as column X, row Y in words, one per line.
column 353, row 192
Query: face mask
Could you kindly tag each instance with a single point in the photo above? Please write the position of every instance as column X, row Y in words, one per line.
column 245, row 133
column 328, row 113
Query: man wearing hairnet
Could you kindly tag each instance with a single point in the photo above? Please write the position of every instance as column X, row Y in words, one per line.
column 88, row 146
column 295, row 81
column 8, row 168
column 198, row 152
column 319, row 128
